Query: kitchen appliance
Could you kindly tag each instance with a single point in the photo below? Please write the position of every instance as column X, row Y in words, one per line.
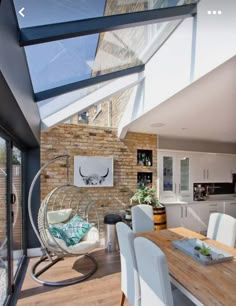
column 199, row 192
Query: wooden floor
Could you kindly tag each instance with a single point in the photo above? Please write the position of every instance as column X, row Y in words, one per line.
column 103, row 288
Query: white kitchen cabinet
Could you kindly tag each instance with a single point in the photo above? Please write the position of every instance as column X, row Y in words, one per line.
column 174, row 177
column 185, row 215
column 205, row 209
column 230, row 208
column 233, row 163
column 212, row 168
column 196, row 216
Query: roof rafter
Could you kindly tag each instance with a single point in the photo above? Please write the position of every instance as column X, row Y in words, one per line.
column 64, row 30
column 95, row 97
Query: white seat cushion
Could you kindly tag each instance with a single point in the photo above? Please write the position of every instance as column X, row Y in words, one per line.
column 89, row 242
column 57, row 216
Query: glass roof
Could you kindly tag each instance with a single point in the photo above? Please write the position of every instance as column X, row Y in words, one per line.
column 41, row 12
column 67, row 63
column 62, row 62
column 50, row 106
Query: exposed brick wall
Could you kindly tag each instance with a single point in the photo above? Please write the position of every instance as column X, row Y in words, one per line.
column 94, row 141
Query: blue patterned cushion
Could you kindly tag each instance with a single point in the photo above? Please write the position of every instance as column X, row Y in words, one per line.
column 58, row 232
column 76, row 228
column 72, row 231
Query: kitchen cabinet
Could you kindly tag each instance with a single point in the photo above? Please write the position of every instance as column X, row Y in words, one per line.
column 195, row 216
column 186, row 215
column 212, row 168
column 230, row 208
column 174, row 180
column 205, row 209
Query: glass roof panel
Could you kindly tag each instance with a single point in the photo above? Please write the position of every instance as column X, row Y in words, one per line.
column 42, row 12
column 62, row 62
column 50, row 106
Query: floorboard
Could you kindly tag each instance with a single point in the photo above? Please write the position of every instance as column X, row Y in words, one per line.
column 102, row 289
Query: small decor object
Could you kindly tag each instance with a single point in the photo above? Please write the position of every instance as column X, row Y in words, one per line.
column 90, row 171
column 202, row 252
column 144, row 158
column 144, row 179
column 147, row 195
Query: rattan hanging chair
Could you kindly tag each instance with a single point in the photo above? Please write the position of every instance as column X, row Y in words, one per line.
column 61, row 205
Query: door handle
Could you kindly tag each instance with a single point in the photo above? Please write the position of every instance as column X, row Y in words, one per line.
column 12, row 217
column 207, row 174
column 13, row 198
column 186, row 211
column 179, row 188
column 175, row 187
column 181, row 212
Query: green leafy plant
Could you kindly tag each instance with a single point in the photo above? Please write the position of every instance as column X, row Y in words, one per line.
column 145, row 195
column 204, row 250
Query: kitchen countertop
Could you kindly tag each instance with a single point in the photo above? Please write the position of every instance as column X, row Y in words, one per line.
column 214, row 198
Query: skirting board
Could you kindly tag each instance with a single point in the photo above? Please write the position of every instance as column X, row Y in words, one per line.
column 34, row 252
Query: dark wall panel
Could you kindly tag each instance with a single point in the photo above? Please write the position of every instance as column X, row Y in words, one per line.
column 33, row 165
column 14, row 68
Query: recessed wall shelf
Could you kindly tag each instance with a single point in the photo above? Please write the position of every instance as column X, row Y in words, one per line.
column 144, row 179
column 144, row 158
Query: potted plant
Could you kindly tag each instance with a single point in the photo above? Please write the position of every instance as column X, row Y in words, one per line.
column 205, row 253
column 147, row 195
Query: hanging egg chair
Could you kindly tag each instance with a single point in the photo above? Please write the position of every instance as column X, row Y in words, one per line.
column 68, row 225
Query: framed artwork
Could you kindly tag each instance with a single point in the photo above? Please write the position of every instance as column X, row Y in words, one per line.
column 92, row 171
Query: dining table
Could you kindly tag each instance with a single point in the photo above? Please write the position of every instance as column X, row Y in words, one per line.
column 209, row 285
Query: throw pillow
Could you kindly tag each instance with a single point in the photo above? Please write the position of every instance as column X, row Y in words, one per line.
column 72, row 231
column 76, row 228
column 58, row 232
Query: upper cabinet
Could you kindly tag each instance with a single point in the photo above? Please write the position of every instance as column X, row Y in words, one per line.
column 174, row 177
column 212, row 168
column 178, row 171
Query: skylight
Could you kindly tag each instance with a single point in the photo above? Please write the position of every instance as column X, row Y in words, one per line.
column 76, row 47
column 42, row 12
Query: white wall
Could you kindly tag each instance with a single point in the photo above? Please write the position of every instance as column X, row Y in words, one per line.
column 168, row 72
column 216, row 35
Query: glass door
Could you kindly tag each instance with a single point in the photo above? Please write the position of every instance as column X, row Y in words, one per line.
column 3, row 223
column 185, row 185
column 16, row 202
column 167, row 177
column 11, row 214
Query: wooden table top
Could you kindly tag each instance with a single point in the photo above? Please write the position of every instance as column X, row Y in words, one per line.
column 211, row 285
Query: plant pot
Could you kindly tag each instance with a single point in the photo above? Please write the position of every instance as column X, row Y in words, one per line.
column 159, row 216
column 205, row 257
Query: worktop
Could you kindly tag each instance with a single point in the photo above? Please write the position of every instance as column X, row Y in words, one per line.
column 215, row 198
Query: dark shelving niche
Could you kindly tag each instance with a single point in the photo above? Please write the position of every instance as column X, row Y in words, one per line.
column 144, row 179
column 144, row 158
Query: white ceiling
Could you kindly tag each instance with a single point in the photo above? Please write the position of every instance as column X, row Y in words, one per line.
column 205, row 110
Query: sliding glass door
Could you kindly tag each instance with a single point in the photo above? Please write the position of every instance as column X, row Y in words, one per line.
column 11, row 216
column 16, row 202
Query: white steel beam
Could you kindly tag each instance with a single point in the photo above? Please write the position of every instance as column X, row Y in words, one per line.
column 95, row 97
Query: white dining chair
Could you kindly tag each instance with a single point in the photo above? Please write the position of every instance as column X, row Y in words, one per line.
column 130, row 288
column 142, row 218
column 222, row 228
column 154, row 277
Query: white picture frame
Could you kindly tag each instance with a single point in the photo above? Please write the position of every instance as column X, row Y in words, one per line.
column 93, row 171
